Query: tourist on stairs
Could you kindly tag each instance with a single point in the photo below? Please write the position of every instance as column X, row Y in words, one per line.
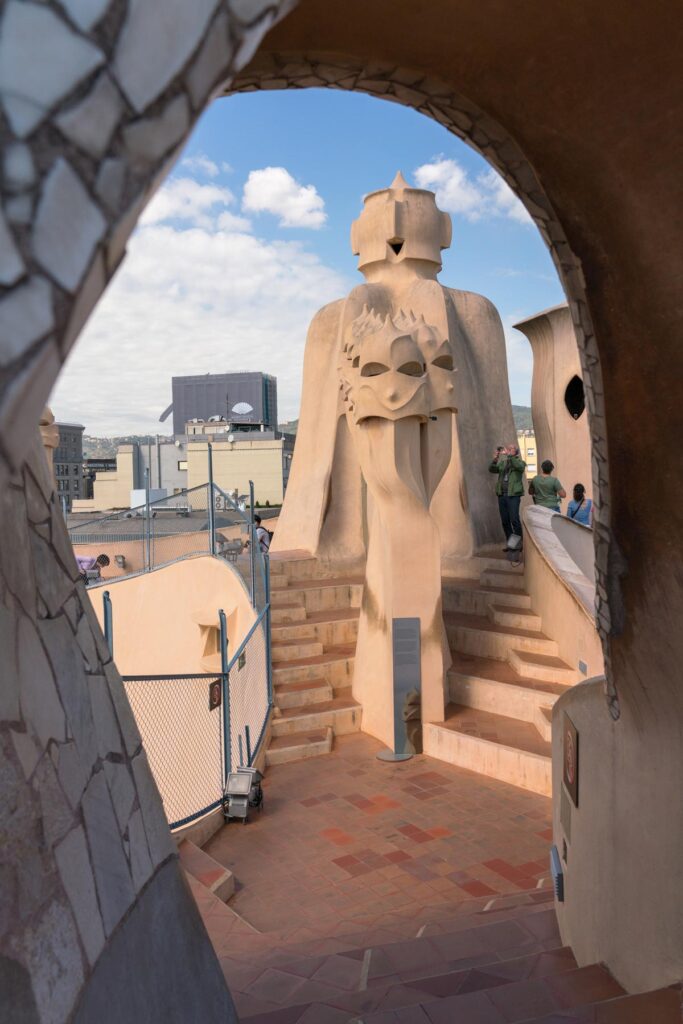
column 510, row 468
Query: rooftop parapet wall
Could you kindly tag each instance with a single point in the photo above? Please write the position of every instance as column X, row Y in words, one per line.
column 560, row 592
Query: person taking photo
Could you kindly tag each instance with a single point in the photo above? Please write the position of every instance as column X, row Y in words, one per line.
column 510, row 468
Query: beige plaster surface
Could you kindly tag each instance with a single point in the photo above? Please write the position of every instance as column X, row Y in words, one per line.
column 560, row 593
column 559, row 437
column 617, row 901
column 158, row 615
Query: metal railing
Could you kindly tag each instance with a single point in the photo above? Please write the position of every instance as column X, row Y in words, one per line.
column 196, row 729
column 192, row 522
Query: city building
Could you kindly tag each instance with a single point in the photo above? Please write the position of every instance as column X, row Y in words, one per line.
column 240, row 455
column 91, row 467
column 112, row 487
column 247, row 398
column 526, row 442
column 67, row 461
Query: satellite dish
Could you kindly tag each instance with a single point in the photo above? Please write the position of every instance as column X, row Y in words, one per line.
column 242, row 408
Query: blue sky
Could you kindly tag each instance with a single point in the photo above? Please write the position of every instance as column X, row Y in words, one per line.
column 250, row 236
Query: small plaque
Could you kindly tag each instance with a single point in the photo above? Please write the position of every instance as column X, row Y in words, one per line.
column 570, row 759
column 215, row 694
column 242, row 660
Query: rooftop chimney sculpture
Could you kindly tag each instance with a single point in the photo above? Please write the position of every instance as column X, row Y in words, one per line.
column 385, row 475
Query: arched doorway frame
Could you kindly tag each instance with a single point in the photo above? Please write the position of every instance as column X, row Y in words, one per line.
column 110, row 185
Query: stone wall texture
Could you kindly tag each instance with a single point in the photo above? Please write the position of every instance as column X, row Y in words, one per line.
column 96, row 922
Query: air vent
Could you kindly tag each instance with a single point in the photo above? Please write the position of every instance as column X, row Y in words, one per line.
column 396, row 244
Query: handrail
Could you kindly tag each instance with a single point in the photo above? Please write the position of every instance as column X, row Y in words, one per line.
column 248, row 637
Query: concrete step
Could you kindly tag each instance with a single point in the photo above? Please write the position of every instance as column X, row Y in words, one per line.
column 326, row 594
column 490, row 685
column 343, row 714
column 660, row 1006
column 293, row 631
column 499, row 563
column 298, row 746
column 543, row 667
column 423, row 987
column 472, row 598
column 516, row 618
column 476, row 634
column 216, row 878
column 336, row 626
column 502, row 578
column 425, row 971
column 287, row 599
column 279, row 583
column 502, row 748
column 297, row 695
column 543, row 720
column 334, row 665
column 294, row 650
column 460, row 931
column 301, row 568
column 287, row 614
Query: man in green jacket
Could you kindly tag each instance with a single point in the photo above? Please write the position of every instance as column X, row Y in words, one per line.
column 509, row 487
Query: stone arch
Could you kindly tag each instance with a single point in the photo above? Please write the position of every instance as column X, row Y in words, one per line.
column 146, row 120
column 88, row 143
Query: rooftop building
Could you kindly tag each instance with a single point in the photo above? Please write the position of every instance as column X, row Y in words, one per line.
column 249, row 398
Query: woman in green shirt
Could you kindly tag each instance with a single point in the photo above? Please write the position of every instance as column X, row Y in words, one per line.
column 546, row 489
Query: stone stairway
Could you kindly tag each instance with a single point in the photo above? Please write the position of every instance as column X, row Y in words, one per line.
column 506, row 676
column 314, row 623
column 485, row 965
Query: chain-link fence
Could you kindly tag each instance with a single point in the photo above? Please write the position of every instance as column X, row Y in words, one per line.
column 200, row 521
column 147, row 536
column 197, row 728
column 180, row 721
column 249, row 692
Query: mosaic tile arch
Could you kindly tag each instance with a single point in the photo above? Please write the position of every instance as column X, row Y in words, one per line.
column 87, row 142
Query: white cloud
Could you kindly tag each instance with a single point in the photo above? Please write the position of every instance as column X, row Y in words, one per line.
column 200, row 163
column 274, row 190
column 198, row 296
column 485, row 196
column 502, row 198
column 185, row 199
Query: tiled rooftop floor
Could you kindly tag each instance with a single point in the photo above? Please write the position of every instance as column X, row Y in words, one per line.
column 346, row 841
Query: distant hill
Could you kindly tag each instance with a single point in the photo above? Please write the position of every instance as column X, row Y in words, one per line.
column 521, row 414
column 522, row 417
column 106, row 447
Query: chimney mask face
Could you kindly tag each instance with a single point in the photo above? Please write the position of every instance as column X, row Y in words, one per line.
column 396, row 367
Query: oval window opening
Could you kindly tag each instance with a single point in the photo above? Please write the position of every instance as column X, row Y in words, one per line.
column 574, row 397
